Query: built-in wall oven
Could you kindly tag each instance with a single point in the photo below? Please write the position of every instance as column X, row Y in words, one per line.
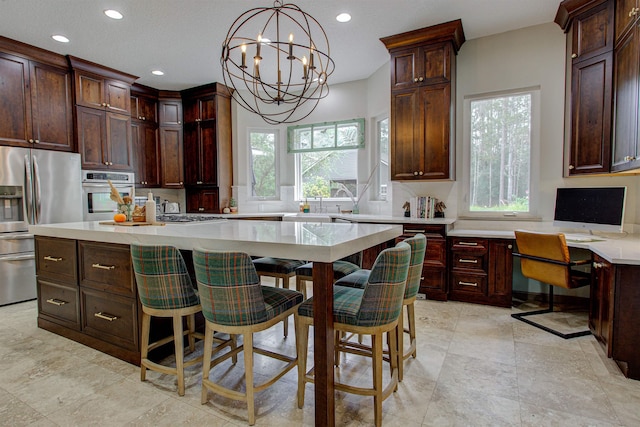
column 96, row 193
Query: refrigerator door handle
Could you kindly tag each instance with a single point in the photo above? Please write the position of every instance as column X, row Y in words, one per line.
column 16, row 236
column 17, row 257
column 36, row 186
column 28, row 187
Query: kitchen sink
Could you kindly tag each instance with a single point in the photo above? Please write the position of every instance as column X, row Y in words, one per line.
column 307, row 217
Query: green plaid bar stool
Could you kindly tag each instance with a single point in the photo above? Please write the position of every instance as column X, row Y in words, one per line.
column 165, row 290
column 358, row 279
column 234, row 301
column 341, row 268
column 373, row 311
column 281, row 269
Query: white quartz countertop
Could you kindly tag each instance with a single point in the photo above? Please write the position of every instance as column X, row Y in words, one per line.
column 381, row 219
column 322, row 242
column 623, row 249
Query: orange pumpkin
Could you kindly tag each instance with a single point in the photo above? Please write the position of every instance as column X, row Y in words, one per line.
column 119, row 217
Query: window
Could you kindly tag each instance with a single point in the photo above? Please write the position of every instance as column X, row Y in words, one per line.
column 263, row 167
column 382, row 139
column 327, row 158
column 501, row 152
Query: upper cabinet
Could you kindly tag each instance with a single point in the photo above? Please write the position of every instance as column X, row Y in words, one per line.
column 207, row 147
column 423, row 101
column 603, row 55
column 35, row 98
column 171, row 150
column 103, row 116
column 144, row 136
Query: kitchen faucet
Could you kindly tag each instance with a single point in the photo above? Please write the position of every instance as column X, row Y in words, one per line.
column 319, row 209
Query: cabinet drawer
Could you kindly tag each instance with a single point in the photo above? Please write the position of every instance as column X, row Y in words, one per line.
column 56, row 259
column 468, row 261
column 413, row 229
column 469, row 245
column 106, row 267
column 59, row 303
column 111, row 318
column 469, row 283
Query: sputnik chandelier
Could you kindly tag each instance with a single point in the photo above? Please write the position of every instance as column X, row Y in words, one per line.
column 277, row 61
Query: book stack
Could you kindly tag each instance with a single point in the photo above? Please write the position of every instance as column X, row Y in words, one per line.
column 423, row 207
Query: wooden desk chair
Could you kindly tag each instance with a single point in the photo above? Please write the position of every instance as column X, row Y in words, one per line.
column 165, row 290
column 234, row 302
column 373, row 311
column 545, row 257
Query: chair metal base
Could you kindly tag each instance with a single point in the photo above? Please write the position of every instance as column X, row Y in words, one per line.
column 522, row 317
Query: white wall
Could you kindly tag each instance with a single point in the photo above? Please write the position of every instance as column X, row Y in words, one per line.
column 533, row 56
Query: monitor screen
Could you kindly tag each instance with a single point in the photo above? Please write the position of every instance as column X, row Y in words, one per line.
column 592, row 208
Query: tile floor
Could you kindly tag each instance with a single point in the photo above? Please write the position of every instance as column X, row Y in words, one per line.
column 476, row 366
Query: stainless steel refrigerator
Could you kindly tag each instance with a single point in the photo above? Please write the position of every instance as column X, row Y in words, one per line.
column 36, row 187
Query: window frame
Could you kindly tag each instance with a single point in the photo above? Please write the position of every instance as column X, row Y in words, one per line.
column 359, row 143
column 276, row 135
column 534, row 159
column 377, row 157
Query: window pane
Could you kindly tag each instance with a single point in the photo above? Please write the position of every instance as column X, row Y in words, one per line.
column 323, row 173
column 302, row 139
column 383, row 153
column 348, row 134
column 324, row 136
column 263, row 164
column 500, row 153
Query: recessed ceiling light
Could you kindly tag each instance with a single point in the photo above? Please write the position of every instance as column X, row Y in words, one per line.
column 157, row 73
column 60, row 38
column 343, row 17
column 113, row 14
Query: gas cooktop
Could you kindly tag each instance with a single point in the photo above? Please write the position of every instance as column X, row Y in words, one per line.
column 186, row 218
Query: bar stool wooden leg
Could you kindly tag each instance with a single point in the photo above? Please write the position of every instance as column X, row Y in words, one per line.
column 302, row 341
column 144, row 345
column 206, row 360
column 248, row 375
column 179, row 348
column 376, row 343
column 411, row 317
column 400, row 344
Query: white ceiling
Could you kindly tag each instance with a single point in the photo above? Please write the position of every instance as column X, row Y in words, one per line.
column 184, row 37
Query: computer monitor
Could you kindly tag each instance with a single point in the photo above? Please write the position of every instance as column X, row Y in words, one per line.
column 590, row 208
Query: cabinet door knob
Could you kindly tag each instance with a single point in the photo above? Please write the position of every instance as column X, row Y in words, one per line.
column 629, row 158
column 571, row 167
column 421, row 79
column 180, row 182
column 108, row 105
column 201, row 209
column 179, row 122
column 198, row 182
column 597, row 265
column 104, row 104
column 415, row 80
column 420, row 173
column 574, row 55
column 106, row 163
column 509, row 246
column 37, row 141
column 415, row 173
column 31, row 141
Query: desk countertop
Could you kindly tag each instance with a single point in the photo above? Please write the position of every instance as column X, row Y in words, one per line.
column 617, row 250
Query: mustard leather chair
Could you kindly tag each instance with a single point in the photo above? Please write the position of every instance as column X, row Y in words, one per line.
column 545, row 257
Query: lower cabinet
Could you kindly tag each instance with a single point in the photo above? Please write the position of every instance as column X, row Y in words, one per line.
column 481, row 270
column 87, row 293
column 615, row 303
column 433, row 282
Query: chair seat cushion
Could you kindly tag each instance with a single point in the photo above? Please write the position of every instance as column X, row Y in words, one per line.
column 357, row 279
column 278, row 300
column 346, row 305
column 276, row 265
column 340, row 269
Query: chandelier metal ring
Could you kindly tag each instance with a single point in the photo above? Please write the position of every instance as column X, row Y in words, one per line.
column 282, row 80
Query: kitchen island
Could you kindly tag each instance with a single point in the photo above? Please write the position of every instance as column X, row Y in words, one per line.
column 74, row 258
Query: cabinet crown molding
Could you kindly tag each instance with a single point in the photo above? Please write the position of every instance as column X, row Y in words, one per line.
column 451, row 31
column 568, row 9
column 101, row 70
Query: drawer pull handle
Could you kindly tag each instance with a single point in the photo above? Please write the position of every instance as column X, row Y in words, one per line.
column 56, row 302
column 108, row 317
column 410, row 230
column 50, row 258
column 103, row 267
column 475, row 285
column 468, row 243
column 468, row 261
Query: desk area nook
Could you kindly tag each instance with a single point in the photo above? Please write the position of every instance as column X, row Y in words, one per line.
column 93, row 300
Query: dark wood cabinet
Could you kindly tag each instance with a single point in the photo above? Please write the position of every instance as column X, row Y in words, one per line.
column 144, row 136
column 481, row 270
column 104, row 139
column 35, row 98
column 423, row 101
column 207, row 147
column 103, row 115
column 627, row 12
column 590, row 145
column 600, row 302
column 615, row 298
column 87, row 293
column 626, row 144
column 433, row 282
column 171, row 140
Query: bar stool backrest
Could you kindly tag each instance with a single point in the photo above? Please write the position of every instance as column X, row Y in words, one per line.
column 418, row 245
